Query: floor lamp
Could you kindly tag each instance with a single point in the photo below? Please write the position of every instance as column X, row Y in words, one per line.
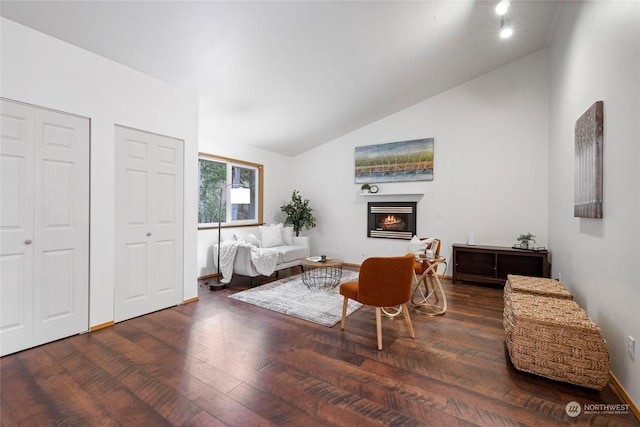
column 238, row 195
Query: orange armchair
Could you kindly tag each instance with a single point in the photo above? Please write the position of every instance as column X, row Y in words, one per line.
column 382, row 282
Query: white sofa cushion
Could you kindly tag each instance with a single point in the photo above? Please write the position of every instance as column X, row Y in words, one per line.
column 288, row 253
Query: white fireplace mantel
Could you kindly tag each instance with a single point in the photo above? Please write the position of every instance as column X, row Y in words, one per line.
column 417, row 195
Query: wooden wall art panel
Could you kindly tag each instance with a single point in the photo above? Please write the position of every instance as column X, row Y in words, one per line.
column 588, row 195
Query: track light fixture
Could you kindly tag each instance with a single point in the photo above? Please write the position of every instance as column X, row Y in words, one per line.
column 501, row 9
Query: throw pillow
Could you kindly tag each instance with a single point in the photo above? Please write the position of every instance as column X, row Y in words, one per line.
column 416, row 245
column 271, row 235
column 287, row 235
column 253, row 240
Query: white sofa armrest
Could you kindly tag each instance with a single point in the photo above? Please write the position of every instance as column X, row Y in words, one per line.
column 242, row 264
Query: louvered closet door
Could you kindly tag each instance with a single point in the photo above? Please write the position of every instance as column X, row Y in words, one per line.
column 44, row 226
column 149, row 222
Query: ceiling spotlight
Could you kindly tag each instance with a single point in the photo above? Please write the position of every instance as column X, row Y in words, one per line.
column 505, row 30
column 502, row 7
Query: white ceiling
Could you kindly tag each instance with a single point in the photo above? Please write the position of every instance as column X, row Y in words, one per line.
column 289, row 75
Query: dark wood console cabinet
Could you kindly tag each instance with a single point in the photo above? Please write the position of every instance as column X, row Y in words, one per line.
column 491, row 264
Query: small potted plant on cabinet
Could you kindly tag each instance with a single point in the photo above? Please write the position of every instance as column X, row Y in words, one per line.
column 365, row 188
column 527, row 241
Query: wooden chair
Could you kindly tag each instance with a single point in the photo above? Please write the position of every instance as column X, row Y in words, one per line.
column 382, row 282
column 428, row 296
column 423, row 265
column 420, row 267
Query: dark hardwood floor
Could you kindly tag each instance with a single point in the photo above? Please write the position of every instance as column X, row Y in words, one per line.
column 219, row 362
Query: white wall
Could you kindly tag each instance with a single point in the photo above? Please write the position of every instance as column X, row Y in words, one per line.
column 278, row 184
column 595, row 55
column 490, row 167
column 44, row 71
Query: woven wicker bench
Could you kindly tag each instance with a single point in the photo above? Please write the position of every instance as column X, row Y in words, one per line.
column 556, row 339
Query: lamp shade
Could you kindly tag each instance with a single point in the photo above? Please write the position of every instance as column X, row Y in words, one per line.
column 240, row 196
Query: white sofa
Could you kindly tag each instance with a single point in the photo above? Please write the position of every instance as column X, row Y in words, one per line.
column 293, row 249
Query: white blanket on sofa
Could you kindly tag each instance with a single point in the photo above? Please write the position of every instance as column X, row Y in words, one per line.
column 263, row 259
column 228, row 249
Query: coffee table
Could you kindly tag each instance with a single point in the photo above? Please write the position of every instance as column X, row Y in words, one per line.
column 321, row 275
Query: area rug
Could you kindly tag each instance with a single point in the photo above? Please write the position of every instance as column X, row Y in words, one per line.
column 292, row 297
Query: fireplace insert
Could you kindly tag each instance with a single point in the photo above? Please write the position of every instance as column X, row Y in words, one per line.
column 391, row 220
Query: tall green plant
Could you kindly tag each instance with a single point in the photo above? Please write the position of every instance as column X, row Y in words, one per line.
column 298, row 213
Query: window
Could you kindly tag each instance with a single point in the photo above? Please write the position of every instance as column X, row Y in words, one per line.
column 216, row 176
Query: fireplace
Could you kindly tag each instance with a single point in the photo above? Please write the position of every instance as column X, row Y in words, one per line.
column 391, row 220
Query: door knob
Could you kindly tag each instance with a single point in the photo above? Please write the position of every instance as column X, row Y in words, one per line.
column 149, row 233
column 28, row 242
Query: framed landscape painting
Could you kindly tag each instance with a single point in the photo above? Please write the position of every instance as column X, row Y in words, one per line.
column 395, row 161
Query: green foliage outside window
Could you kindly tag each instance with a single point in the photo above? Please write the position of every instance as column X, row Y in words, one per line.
column 244, row 177
column 212, row 175
column 216, row 178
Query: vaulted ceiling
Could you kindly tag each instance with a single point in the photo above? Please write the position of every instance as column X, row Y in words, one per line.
column 286, row 76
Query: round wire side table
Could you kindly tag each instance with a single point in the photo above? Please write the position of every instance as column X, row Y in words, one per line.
column 322, row 275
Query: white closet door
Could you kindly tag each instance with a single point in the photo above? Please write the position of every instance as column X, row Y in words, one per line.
column 61, row 225
column 167, row 216
column 44, row 226
column 149, row 210
column 16, row 227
